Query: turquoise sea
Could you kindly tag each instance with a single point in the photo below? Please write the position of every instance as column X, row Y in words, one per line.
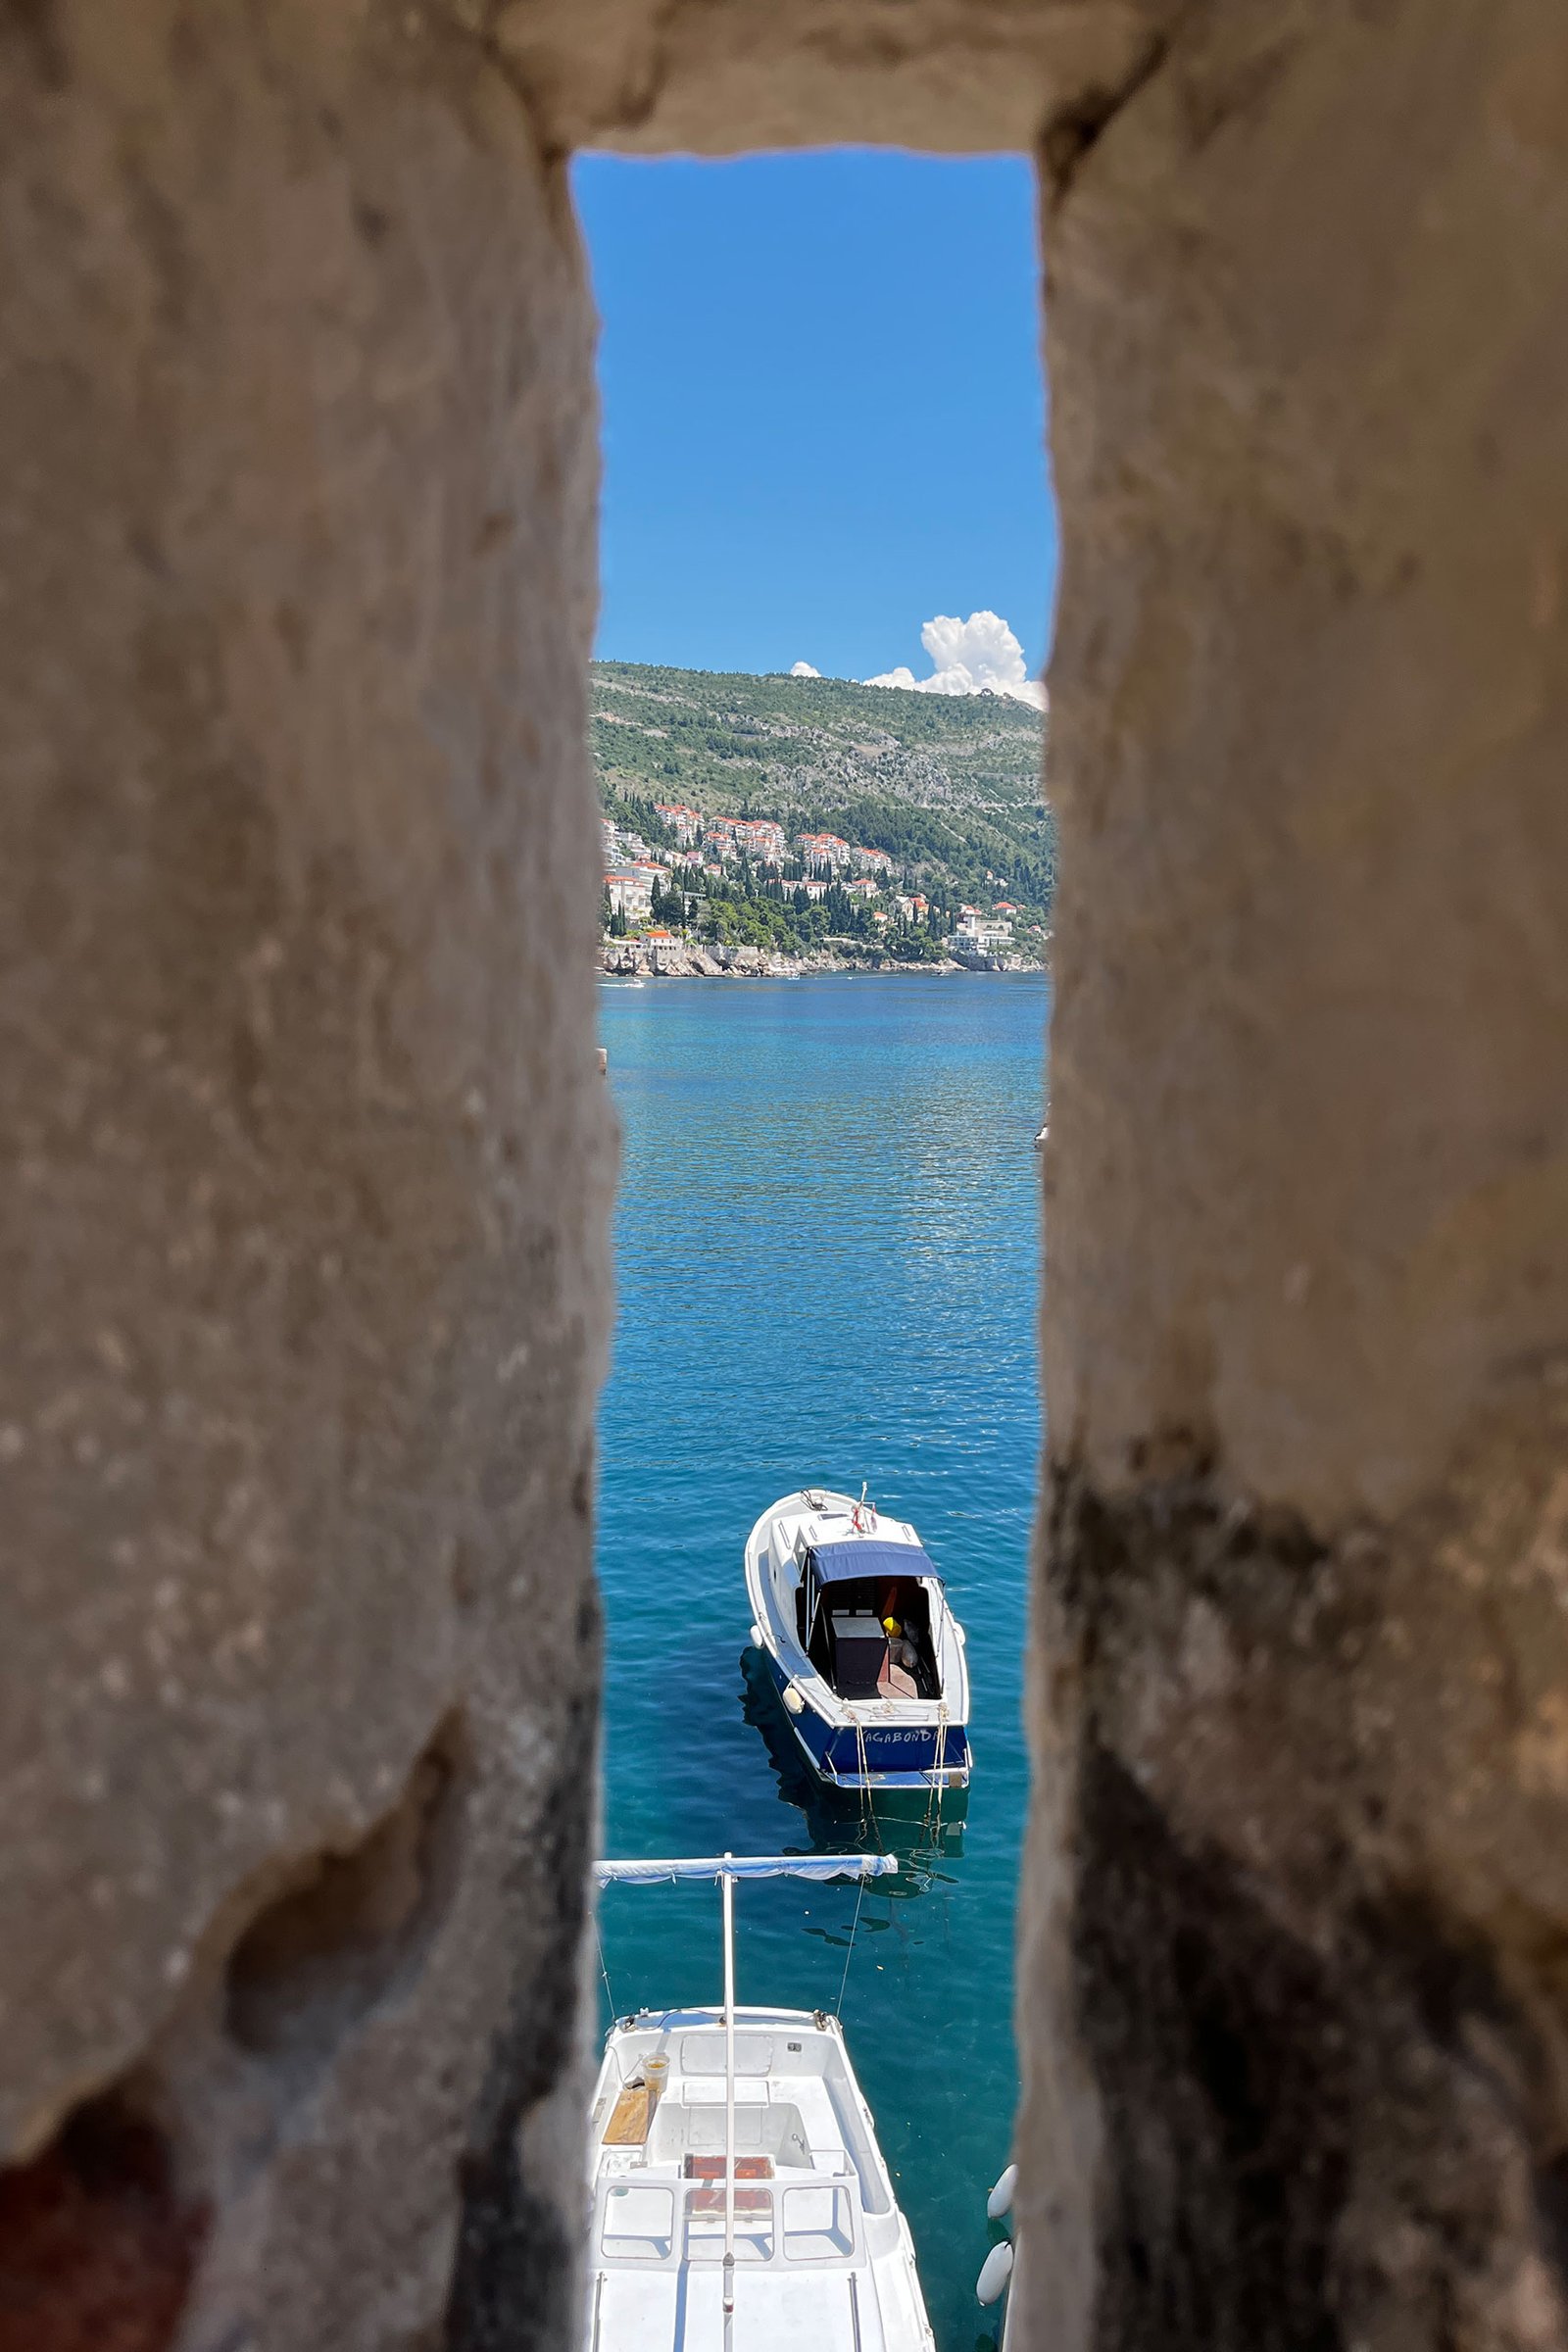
column 827, row 1257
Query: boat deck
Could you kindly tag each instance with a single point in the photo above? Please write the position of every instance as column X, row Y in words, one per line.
column 822, row 2254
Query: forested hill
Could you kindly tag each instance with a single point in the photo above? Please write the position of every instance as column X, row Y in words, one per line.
column 949, row 785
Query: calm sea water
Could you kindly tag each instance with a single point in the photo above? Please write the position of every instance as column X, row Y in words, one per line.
column 827, row 1252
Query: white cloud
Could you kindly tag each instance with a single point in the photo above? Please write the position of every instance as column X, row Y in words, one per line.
column 968, row 657
column 803, row 670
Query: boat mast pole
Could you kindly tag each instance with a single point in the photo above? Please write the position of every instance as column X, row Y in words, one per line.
column 728, row 1885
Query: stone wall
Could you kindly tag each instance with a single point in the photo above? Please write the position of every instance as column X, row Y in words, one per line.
column 307, row 1155
column 1302, row 1710
column 306, row 1160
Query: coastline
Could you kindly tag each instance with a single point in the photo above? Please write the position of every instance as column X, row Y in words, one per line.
column 630, row 958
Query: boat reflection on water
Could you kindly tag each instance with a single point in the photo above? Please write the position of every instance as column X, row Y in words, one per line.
column 924, row 1828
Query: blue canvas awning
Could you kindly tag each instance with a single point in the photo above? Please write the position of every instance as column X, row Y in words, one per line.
column 838, row 1563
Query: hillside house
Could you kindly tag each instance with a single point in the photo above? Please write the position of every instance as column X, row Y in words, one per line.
column 761, row 839
column 631, row 891
column 824, row 851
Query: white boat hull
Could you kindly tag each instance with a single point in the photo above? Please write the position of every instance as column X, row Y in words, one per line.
column 825, row 2260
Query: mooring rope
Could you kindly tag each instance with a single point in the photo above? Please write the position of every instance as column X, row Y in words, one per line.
column 599, row 1946
column 869, row 1819
column 854, row 1925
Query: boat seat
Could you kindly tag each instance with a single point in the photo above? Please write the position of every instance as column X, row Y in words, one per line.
column 711, row 2200
column 859, row 1650
column 628, row 2127
column 829, row 2157
column 712, row 2168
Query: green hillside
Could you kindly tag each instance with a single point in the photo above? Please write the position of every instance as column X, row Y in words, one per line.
column 949, row 786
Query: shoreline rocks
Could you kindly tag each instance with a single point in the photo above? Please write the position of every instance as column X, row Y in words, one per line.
column 636, row 959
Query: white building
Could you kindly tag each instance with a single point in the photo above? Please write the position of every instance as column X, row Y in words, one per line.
column 984, row 932
column 631, row 891
column 761, row 838
column 825, row 850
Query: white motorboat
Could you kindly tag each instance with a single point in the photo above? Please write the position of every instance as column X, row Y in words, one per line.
column 849, row 1611
column 740, row 2200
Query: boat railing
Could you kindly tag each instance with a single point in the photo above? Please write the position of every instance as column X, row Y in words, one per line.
column 772, row 2229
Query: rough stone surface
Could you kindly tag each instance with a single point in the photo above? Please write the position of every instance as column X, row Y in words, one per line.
column 96, row 2245
column 306, row 1149
column 307, row 1152
column 1306, row 317
column 650, row 76
column 1297, row 2016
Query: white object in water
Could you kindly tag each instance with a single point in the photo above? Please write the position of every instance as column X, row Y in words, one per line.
column 994, row 2272
column 1041, row 1133
column 1001, row 2198
column 740, row 2200
column 822, row 1572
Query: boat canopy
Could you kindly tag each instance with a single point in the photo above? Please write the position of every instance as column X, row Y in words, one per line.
column 866, row 1556
column 747, row 1866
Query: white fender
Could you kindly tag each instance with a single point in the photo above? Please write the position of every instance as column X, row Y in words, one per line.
column 1001, row 2198
column 995, row 2272
column 793, row 1699
column 756, row 1636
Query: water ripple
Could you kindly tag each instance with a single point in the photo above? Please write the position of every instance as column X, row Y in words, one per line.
column 828, row 1254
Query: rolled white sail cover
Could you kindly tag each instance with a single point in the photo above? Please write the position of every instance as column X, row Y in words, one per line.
column 747, row 1866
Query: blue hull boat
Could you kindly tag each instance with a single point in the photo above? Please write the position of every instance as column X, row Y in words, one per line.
column 849, row 1614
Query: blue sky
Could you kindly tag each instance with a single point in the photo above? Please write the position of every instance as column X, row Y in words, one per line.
column 823, row 407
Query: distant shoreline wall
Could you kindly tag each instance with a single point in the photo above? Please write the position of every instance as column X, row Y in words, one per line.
column 694, row 964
